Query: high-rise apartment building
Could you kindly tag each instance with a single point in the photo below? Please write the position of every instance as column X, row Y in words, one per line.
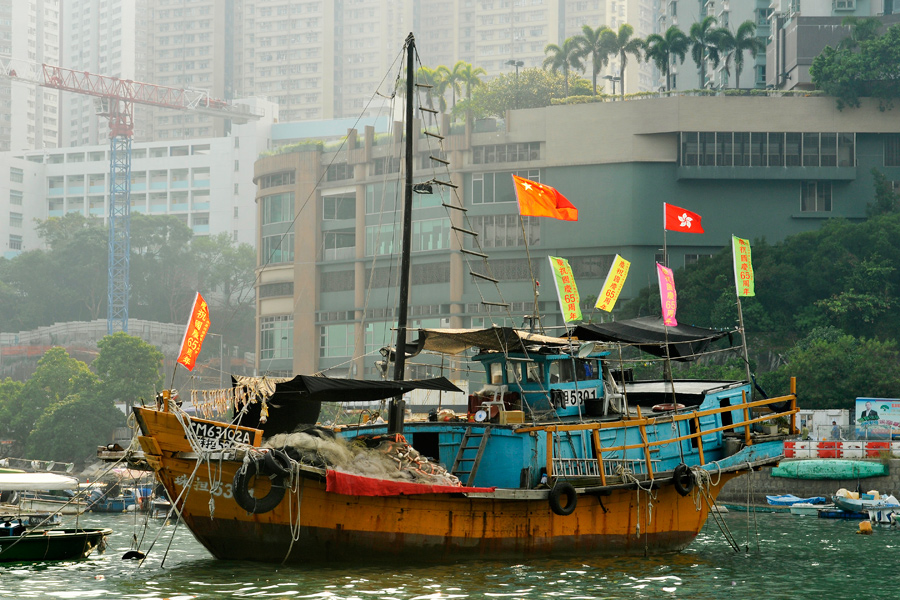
column 29, row 31
column 496, row 35
column 106, row 37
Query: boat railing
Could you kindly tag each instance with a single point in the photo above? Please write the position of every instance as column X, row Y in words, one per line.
column 768, row 409
column 583, row 468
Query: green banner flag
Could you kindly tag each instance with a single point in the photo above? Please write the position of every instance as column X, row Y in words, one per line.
column 743, row 268
column 569, row 301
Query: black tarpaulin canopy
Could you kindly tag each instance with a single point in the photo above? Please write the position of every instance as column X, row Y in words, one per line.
column 291, row 402
column 685, row 341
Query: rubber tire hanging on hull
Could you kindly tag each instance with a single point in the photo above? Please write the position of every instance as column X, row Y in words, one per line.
column 560, row 489
column 683, row 479
column 240, row 488
column 277, row 463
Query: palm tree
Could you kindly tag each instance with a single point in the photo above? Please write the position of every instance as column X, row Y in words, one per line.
column 561, row 58
column 590, row 43
column 432, row 78
column 745, row 40
column 726, row 45
column 621, row 44
column 703, row 48
column 453, row 78
column 663, row 49
column 470, row 77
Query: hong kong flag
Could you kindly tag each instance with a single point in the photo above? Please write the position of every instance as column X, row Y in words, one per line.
column 679, row 219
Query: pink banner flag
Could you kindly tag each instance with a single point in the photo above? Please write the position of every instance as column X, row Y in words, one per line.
column 667, row 295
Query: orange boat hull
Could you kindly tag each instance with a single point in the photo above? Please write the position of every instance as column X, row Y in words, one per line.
column 311, row 524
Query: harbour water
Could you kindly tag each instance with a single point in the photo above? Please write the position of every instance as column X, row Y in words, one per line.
column 781, row 556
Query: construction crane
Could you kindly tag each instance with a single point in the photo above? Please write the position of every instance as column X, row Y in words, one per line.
column 118, row 97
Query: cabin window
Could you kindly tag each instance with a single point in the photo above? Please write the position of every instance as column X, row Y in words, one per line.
column 562, row 371
column 496, row 373
column 534, row 373
column 586, row 369
column 512, row 372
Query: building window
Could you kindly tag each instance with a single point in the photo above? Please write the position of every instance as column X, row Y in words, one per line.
column 490, row 188
column 506, row 153
column 892, row 150
column 772, row 149
column 277, row 248
column 15, row 197
column 276, row 337
column 15, row 220
column 339, row 172
column 15, row 242
column 595, row 267
column 336, row 281
column 336, row 340
column 277, row 208
column 386, row 164
column 690, row 259
column 16, row 175
column 513, row 269
column 499, row 231
column 336, row 208
column 273, row 290
column 339, row 245
column 273, row 180
column 815, row 196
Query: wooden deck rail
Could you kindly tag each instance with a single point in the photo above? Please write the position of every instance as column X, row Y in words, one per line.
column 641, row 422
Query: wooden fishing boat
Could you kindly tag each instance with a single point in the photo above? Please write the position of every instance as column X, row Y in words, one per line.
column 29, row 537
column 560, row 453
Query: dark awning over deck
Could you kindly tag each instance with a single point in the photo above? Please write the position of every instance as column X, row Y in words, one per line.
column 685, row 342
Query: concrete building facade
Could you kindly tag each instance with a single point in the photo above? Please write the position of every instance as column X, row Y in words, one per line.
column 750, row 166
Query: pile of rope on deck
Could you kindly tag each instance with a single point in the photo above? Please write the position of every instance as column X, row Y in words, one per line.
column 387, row 456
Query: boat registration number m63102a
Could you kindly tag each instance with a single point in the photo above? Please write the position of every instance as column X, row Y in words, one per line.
column 210, row 436
column 564, row 398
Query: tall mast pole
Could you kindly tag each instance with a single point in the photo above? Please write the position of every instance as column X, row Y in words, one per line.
column 395, row 418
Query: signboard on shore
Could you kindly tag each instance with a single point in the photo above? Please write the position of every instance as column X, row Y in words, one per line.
column 877, row 418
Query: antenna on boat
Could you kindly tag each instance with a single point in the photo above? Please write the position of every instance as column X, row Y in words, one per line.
column 397, row 408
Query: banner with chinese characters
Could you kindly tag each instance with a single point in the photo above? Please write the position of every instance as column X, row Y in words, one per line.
column 615, row 279
column 196, row 330
column 743, row 268
column 569, row 302
column 667, row 295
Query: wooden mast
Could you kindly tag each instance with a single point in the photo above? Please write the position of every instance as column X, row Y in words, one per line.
column 397, row 408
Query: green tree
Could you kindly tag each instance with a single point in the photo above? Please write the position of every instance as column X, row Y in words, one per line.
column 832, row 370
column 560, row 59
column 872, row 71
column 129, row 369
column 9, row 406
column 591, row 45
column 436, row 85
column 534, row 88
column 745, row 40
column 861, row 30
column 70, row 430
column 703, row 46
column 453, row 77
column 57, row 376
column 886, row 200
column 621, row 43
column 664, row 49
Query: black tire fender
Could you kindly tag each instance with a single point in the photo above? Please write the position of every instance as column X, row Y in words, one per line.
column 276, row 462
column 240, row 488
column 559, row 490
column 683, row 479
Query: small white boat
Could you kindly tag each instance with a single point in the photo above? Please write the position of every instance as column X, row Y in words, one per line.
column 887, row 511
column 809, row 509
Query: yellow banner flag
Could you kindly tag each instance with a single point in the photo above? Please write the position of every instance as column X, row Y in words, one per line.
column 743, row 267
column 566, row 290
column 615, row 279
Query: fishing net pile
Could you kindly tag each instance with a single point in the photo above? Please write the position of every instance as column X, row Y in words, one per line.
column 377, row 456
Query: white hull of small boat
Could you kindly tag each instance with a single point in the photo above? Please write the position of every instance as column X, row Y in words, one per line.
column 808, row 509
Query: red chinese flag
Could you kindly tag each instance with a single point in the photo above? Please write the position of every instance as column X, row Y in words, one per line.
column 194, row 333
column 539, row 200
column 679, row 219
